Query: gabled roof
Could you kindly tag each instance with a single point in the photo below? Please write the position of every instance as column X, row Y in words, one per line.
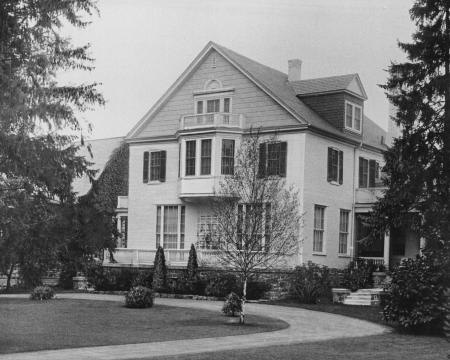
column 101, row 152
column 275, row 84
column 351, row 83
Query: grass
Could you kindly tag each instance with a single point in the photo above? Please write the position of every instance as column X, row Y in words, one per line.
column 61, row 323
column 380, row 347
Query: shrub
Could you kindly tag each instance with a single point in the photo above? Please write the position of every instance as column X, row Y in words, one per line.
column 358, row 275
column 68, row 271
column 192, row 265
column 110, row 279
column 415, row 297
column 159, row 271
column 144, row 278
column 310, row 282
column 256, row 289
column 232, row 304
column 139, row 297
column 221, row 285
column 42, row 293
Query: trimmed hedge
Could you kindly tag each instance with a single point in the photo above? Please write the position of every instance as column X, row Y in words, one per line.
column 139, row 297
column 42, row 293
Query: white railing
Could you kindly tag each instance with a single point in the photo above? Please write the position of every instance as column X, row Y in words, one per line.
column 122, row 202
column 138, row 257
column 211, row 120
column 373, row 260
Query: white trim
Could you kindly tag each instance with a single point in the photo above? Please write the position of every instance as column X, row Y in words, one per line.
column 354, row 106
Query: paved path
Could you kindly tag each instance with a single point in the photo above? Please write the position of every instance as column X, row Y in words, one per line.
column 305, row 326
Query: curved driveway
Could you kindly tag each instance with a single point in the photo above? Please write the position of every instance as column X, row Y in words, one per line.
column 305, row 326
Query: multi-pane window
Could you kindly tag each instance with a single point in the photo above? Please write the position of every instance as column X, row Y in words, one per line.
column 205, row 168
column 213, row 106
column 253, row 226
column 369, row 173
column 227, row 166
column 335, row 165
column 206, row 228
column 190, row 157
column 170, row 226
column 343, row 231
column 353, row 116
column 123, row 231
column 154, row 167
column 319, row 228
column 272, row 159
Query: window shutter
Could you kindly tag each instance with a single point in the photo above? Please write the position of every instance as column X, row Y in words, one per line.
column 162, row 171
column 330, row 165
column 372, row 169
column 361, row 172
column 282, row 158
column 262, row 160
column 145, row 167
column 341, row 167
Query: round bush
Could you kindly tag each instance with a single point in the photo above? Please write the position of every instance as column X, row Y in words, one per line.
column 139, row 297
column 232, row 304
column 42, row 293
column 310, row 282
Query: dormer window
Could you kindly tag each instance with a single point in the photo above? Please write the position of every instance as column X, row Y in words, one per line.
column 353, row 116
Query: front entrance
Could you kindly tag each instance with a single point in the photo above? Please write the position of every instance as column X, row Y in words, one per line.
column 367, row 246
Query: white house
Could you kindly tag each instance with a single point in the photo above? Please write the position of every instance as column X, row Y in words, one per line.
column 187, row 141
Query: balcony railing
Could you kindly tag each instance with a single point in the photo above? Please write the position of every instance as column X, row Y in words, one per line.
column 211, row 120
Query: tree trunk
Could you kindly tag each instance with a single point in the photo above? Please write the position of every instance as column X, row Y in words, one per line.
column 244, row 298
column 447, row 104
column 8, row 278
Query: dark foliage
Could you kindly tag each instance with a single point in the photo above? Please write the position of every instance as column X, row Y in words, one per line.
column 358, row 275
column 159, row 271
column 416, row 293
column 232, row 305
column 221, row 285
column 192, row 265
column 110, row 279
column 139, row 297
column 310, row 282
column 42, row 293
column 144, row 278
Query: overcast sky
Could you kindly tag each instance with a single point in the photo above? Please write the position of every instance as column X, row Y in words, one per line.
column 142, row 46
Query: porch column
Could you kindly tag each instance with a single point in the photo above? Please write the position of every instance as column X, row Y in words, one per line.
column 422, row 244
column 387, row 246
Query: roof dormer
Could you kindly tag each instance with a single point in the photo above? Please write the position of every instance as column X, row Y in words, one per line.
column 338, row 99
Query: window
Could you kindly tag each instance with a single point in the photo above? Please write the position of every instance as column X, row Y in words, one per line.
column 123, row 232
column 206, row 228
column 157, row 162
column 170, row 226
column 353, row 116
column 343, row 232
column 369, row 173
column 190, row 157
column 272, row 159
column 253, row 226
column 227, row 167
column 205, row 168
column 335, row 165
column 319, row 228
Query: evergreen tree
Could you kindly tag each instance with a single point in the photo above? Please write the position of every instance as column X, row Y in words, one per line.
column 418, row 163
column 159, row 271
column 192, row 265
column 38, row 123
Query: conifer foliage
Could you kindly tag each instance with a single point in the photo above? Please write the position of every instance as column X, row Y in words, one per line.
column 159, row 271
column 192, row 265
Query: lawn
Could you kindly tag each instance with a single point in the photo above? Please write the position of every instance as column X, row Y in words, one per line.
column 381, row 347
column 61, row 323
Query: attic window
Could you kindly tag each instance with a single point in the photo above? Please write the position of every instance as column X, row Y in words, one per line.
column 353, row 116
column 213, row 85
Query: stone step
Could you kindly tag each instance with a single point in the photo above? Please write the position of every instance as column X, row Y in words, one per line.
column 361, row 302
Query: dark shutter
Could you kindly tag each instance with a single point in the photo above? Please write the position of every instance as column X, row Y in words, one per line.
column 330, row 165
column 372, row 169
column 282, row 159
column 162, row 171
column 341, row 167
column 262, row 160
column 361, row 172
column 145, row 167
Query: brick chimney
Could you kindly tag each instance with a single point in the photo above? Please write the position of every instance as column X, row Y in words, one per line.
column 294, row 70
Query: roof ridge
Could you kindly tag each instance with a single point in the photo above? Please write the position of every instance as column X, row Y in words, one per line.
column 325, row 77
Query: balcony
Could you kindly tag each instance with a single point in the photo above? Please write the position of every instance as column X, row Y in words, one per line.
column 368, row 195
column 211, row 121
column 198, row 186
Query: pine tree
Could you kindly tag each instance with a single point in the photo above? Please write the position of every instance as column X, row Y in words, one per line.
column 192, row 265
column 159, row 271
column 418, row 164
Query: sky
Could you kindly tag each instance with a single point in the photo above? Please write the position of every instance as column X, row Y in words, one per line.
column 142, row 46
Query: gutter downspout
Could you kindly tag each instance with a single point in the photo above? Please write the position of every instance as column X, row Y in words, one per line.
column 352, row 248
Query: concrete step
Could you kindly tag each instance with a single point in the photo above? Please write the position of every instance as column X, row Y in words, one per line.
column 361, row 302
